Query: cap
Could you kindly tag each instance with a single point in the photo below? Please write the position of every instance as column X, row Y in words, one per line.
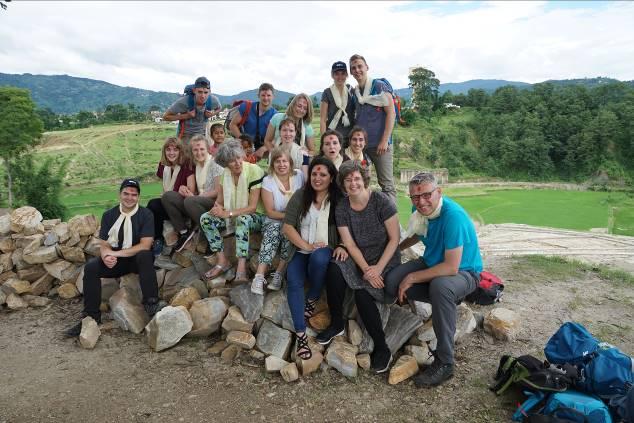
column 337, row 66
column 130, row 183
column 201, row 82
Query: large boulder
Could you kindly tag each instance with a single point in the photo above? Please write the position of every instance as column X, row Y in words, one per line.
column 84, row 225
column 17, row 286
column 32, row 273
column 5, row 225
column 235, row 321
column 42, row 285
column 185, row 297
column 7, row 244
column 62, row 231
column 342, row 356
column 274, row 340
column 250, row 304
column 275, row 309
column 502, row 323
column 128, row 312
column 27, row 220
column 74, row 254
column 207, row 315
column 41, row 255
column 404, row 368
column 90, row 333
column 168, row 327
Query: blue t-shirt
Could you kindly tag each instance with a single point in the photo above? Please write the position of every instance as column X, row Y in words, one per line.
column 250, row 126
column 452, row 229
column 372, row 118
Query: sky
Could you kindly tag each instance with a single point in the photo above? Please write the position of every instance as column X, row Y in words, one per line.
column 165, row 45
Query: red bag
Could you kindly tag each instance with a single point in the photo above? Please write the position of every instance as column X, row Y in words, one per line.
column 488, row 291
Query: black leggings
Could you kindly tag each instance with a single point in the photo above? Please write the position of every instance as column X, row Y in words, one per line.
column 336, row 291
column 160, row 215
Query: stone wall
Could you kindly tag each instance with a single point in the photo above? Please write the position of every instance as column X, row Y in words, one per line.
column 442, row 175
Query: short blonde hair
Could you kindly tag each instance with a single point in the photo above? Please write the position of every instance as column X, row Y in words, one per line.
column 278, row 152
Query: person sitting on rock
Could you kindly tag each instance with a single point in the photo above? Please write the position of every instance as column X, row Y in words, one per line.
column 175, row 172
column 367, row 222
column 277, row 188
column 299, row 155
column 126, row 234
column 238, row 203
column 309, row 224
column 331, row 147
column 448, row 271
column 187, row 203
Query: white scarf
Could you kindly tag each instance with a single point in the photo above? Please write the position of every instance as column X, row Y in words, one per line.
column 379, row 100
column 201, row 173
column 348, row 151
column 341, row 102
column 169, row 178
column 126, row 220
column 418, row 224
column 287, row 193
column 321, row 233
column 338, row 160
column 235, row 197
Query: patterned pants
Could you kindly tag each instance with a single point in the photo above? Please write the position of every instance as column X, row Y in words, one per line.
column 272, row 238
column 212, row 225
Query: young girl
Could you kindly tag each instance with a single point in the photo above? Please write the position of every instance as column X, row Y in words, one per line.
column 174, row 172
column 330, row 147
column 217, row 132
column 358, row 141
column 277, row 188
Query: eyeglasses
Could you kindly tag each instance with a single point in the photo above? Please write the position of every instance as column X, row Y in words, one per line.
column 424, row 195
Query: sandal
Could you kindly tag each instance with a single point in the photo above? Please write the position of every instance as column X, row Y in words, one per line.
column 216, row 271
column 303, row 349
column 309, row 308
column 241, row 277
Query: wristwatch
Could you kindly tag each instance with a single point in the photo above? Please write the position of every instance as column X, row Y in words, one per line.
column 230, row 214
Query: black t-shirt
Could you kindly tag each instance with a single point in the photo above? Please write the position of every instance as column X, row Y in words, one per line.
column 142, row 225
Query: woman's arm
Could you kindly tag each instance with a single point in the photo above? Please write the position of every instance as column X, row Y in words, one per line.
column 269, row 137
column 269, row 206
column 323, row 116
column 351, row 247
column 293, row 236
column 393, row 236
column 191, row 183
column 254, row 197
column 310, row 144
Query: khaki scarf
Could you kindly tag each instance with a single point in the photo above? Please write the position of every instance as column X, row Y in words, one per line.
column 379, row 100
column 418, row 224
column 321, row 234
column 201, row 173
column 348, row 151
column 287, row 193
column 338, row 160
column 341, row 102
column 169, row 178
column 235, row 197
column 126, row 220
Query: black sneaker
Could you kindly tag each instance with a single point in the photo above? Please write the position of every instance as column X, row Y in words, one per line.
column 183, row 239
column 434, row 375
column 75, row 330
column 327, row 335
column 153, row 306
column 380, row 360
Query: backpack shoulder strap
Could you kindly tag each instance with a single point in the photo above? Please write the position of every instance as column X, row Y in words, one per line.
column 247, row 110
column 253, row 183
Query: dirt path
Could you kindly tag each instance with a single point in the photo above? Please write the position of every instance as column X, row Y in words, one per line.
column 45, row 377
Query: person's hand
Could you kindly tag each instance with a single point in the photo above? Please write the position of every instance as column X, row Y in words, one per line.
column 371, row 272
column 318, row 245
column 110, row 261
column 382, row 147
column 259, row 153
column 340, row 254
column 210, row 113
column 184, row 191
column 375, row 281
column 218, row 211
column 402, row 289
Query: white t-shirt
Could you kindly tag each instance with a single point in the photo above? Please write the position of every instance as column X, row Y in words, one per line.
column 308, row 226
column 279, row 200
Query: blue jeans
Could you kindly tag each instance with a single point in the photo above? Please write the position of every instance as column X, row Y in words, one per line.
column 313, row 267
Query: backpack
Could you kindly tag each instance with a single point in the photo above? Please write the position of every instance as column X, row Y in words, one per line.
column 531, row 373
column 395, row 98
column 191, row 103
column 564, row 407
column 235, row 109
column 489, row 290
column 603, row 369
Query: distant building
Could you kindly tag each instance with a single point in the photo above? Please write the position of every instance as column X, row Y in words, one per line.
column 451, row 106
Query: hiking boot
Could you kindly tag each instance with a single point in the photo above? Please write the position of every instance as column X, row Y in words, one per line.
column 257, row 286
column 276, row 281
column 153, row 306
column 380, row 360
column 183, row 240
column 434, row 375
column 157, row 247
column 75, row 330
column 327, row 335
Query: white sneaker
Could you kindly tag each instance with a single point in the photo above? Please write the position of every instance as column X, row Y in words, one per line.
column 257, row 286
column 276, row 281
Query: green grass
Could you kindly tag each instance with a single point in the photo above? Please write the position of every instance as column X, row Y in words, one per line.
column 579, row 210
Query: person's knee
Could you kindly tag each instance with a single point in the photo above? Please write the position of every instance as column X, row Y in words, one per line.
column 440, row 289
column 321, row 257
column 92, row 266
column 393, row 280
column 144, row 257
column 206, row 221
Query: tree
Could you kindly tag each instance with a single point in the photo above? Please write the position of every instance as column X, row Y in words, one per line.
column 40, row 186
column 20, row 128
column 424, row 85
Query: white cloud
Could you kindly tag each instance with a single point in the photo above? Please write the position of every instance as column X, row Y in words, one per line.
column 164, row 45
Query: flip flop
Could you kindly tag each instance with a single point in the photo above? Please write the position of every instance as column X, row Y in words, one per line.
column 241, row 277
column 216, row 271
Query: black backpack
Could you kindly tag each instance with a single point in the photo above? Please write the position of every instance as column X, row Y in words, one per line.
column 531, row 373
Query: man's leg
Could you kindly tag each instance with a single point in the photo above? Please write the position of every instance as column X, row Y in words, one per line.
column 395, row 276
column 143, row 264
column 384, row 170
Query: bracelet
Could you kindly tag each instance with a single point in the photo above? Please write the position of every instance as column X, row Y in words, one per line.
column 342, row 246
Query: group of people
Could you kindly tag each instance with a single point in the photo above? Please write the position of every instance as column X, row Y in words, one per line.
column 314, row 207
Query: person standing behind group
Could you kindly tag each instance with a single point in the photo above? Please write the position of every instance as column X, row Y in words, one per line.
column 337, row 103
column 175, row 172
column 193, row 120
column 188, row 203
column 277, row 188
column 309, row 224
column 300, row 111
column 258, row 119
column 368, row 226
column 375, row 113
column 330, row 147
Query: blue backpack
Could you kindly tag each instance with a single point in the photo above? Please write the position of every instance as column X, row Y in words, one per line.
column 569, row 407
column 396, row 99
column 191, row 103
column 603, row 369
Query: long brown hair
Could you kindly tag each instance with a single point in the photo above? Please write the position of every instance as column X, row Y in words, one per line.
column 182, row 156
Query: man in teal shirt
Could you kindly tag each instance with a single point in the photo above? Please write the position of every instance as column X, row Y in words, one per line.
column 448, row 271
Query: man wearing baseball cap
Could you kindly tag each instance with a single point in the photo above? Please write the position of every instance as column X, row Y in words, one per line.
column 337, row 105
column 126, row 235
column 194, row 115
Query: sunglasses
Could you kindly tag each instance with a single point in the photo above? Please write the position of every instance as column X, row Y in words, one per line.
column 424, row 195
